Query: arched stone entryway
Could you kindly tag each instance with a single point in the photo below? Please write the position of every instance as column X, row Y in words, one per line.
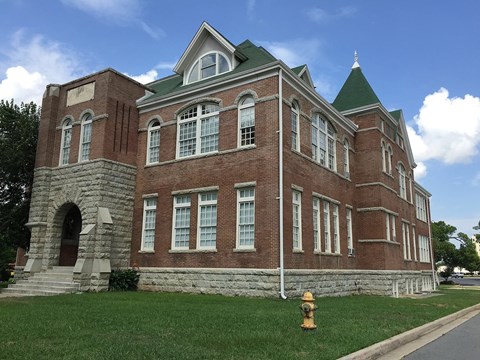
column 70, row 236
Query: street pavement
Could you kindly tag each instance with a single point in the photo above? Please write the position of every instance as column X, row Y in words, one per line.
column 460, row 343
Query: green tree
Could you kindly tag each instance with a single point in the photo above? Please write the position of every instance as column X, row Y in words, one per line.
column 445, row 252
column 467, row 254
column 18, row 142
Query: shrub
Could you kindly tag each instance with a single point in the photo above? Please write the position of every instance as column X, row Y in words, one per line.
column 123, row 280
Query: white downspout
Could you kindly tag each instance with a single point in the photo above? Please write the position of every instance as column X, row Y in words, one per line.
column 434, row 278
column 280, row 183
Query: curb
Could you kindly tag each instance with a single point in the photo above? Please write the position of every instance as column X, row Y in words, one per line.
column 382, row 348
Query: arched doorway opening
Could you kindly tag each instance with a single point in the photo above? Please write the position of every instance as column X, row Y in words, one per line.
column 71, row 228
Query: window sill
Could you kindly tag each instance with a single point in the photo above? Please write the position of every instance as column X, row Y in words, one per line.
column 326, row 254
column 146, row 251
column 191, row 251
column 244, row 250
column 298, row 251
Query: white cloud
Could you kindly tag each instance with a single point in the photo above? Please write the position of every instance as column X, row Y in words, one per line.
column 448, row 128
column 120, row 12
column 295, row 52
column 146, row 78
column 32, row 64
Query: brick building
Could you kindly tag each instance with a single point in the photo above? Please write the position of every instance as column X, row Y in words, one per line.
column 231, row 176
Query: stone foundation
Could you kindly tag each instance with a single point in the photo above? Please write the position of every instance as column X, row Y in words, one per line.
column 265, row 282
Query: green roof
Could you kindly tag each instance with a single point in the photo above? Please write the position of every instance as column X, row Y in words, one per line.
column 396, row 114
column 355, row 93
column 256, row 56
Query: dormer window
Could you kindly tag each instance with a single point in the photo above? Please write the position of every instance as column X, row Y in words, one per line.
column 209, row 65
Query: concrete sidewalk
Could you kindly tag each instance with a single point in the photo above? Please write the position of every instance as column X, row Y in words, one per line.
column 403, row 344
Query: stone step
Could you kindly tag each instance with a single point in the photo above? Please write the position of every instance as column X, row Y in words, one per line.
column 51, row 286
column 55, row 281
column 33, row 292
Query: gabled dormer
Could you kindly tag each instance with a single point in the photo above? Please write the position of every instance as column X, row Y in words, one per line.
column 209, row 54
column 304, row 74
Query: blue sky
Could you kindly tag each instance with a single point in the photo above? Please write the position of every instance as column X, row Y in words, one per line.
column 419, row 56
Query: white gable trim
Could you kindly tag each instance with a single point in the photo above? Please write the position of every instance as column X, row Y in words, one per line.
column 203, row 32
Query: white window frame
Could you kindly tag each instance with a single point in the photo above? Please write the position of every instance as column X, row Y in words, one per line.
column 295, row 119
column 390, row 227
column 207, row 200
column 195, row 73
column 153, row 142
column 246, row 132
column 324, row 142
column 180, row 204
column 327, row 236
column 297, row 220
column 242, row 200
column 402, row 181
column 148, row 227
column 196, row 115
column 424, row 249
column 66, row 142
column 85, row 138
column 336, row 229
column 414, row 238
column 421, row 207
column 351, row 250
column 346, row 158
column 316, row 225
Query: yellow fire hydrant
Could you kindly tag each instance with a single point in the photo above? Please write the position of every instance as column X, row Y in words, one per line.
column 307, row 308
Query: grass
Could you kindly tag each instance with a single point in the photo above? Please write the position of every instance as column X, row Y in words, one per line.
column 140, row 325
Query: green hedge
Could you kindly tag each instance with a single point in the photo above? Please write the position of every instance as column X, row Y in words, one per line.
column 123, row 280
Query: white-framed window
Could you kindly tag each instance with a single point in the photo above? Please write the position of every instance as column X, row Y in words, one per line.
column 246, row 218
column 402, row 181
column 346, row 158
column 66, row 142
column 323, row 142
column 351, row 250
column 181, row 222
column 209, row 65
column 297, row 219
column 316, row 224
column 421, row 207
column 409, row 250
column 85, row 137
column 406, row 239
column 414, row 240
column 327, row 239
column 197, row 130
column 207, row 220
column 387, row 154
column 295, row 119
column 336, row 229
column 391, row 231
column 149, row 219
column 424, row 248
column 246, row 121
column 153, row 142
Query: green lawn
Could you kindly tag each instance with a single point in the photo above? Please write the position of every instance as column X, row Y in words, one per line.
column 140, row 325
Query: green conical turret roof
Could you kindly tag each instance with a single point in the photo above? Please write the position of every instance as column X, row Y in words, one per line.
column 356, row 92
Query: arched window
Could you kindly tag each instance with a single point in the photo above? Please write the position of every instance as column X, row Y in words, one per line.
column 387, row 154
column 66, row 142
column 323, row 142
column 295, row 127
column 153, row 142
column 86, row 137
column 402, row 181
column 209, row 65
column 246, row 121
column 346, row 158
column 197, row 130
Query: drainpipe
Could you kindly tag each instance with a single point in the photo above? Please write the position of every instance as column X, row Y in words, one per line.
column 431, row 248
column 280, row 183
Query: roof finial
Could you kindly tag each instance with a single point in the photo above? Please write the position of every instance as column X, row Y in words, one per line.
column 355, row 59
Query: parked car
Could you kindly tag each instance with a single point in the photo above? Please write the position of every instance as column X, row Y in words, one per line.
column 457, row 275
